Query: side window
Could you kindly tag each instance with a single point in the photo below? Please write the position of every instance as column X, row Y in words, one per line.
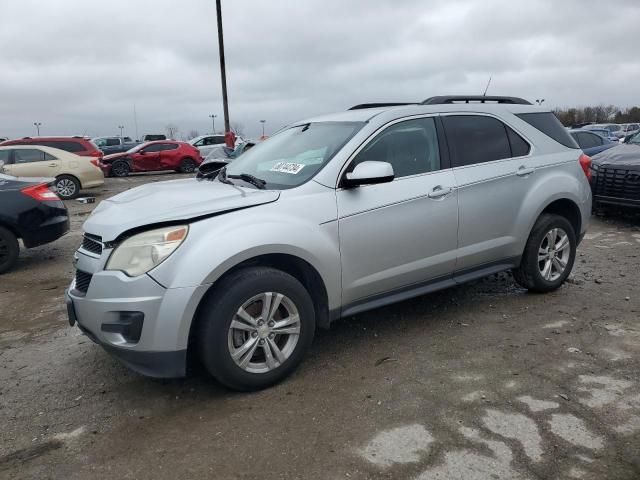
column 28, row 155
column 476, row 139
column 411, row 147
column 112, row 142
column 68, row 146
column 4, row 156
column 587, row 140
column 100, row 142
column 199, row 143
column 169, row 146
column 156, row 147
column 519, row 146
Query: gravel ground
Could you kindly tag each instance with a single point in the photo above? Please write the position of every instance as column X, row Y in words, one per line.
column 479, row 381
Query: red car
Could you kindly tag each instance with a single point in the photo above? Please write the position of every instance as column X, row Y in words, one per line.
column 82, row 146
column 152, row 157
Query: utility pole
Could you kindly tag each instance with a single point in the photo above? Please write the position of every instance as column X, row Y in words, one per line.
column 223, row 70
column 135, row 120
column 263, row 122
column 37, row 125
column 121, row 127
column 213, row 122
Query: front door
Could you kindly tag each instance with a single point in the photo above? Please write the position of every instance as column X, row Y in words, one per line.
column 32, row 162
column 401, row 235
column 148, row 159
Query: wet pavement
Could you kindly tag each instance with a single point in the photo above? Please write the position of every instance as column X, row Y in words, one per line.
column 482, row 381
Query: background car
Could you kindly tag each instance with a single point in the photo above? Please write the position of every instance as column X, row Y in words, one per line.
column 603, row 132
column 616, row 175
column 82, row 146
column 207, row 143
column 613, row 128
column 630, row 128
column 222, row 155
column 111, row 145
column 153, row 156
column 153, row 137
column 30, row 211
column 590, row 142
column 72, row 172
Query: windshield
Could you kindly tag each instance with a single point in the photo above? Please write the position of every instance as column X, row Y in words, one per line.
column 137, row 148
column 635, row 139
column 294, row 155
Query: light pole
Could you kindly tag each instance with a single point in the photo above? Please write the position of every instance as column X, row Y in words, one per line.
column 213, row 122
column 223, row 68
column 540, row 101
column 37, row 125
column 121, row 127
column 263, row 122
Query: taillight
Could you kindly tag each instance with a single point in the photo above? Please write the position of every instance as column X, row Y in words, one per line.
column 96, row 162
column 585, row 163
column 41, row 193
column 96, row 153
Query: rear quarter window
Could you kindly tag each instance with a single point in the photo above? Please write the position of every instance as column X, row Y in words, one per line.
column 548, row 123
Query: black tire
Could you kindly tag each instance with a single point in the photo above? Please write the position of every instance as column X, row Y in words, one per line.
column 220, row 308
column 187, row 165
column 9, row 250
column 528, row 274
column 120, row 168
column 67, row 187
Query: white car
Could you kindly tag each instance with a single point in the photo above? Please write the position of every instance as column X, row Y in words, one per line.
column 206, row 143
column 72, row 172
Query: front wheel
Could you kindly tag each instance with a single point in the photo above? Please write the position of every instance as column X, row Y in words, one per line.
column 120, row 169
column 548, row 255
column 255, row 328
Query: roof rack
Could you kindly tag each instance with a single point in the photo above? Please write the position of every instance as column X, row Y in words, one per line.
column 362, row 106
column 448, row 99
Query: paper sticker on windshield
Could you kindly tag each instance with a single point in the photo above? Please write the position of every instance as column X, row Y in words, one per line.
column 287, row 167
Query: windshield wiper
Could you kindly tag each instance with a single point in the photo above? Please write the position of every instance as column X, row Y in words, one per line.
column 221, row 175
column 246, row 177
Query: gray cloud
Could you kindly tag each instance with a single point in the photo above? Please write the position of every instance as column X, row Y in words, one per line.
column 78, row 66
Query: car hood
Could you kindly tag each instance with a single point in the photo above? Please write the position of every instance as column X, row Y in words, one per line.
column 113, row 156
column 170, row 201
column 623, row 155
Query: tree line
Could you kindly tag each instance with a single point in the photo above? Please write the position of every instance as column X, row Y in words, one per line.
column 598, row 114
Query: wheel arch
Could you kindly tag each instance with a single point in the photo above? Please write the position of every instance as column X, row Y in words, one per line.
column 295, row 266
column 66, row 174
column 568, row 209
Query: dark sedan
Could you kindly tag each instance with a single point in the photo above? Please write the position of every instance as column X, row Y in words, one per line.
column 29, row 210
column 591, row 143
column 616, row 175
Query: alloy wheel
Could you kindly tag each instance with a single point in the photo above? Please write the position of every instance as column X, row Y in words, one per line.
column 264, row 332
column 553, row 254
column 66, row 188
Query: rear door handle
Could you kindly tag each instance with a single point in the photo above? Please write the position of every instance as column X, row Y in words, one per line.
column 439, row 191
column 524, row 171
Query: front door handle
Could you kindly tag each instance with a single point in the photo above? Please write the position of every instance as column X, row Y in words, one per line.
column 524, row 171
column 439, row 191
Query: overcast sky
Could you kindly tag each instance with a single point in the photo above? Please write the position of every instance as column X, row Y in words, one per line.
column 79, row 66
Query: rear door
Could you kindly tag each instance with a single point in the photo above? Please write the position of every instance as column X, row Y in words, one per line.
column 169, row 156
column 33, row 162
column 397, row 237
column 493, row 171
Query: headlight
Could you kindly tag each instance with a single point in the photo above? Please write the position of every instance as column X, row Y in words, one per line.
column 140, row 253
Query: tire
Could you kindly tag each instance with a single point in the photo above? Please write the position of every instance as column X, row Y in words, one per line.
column 540, row 268
column 67, row 186
column 217, row 339
column 120, row 169
column 9, row 250
column 187, row 165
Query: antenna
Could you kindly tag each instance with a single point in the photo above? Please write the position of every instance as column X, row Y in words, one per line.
column 487, row 88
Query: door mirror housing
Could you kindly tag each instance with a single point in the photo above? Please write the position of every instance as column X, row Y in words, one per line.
column 142, row 152
column 369, row 173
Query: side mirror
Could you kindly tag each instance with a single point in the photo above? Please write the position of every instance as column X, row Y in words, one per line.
column 142, row 152
column 369, row 173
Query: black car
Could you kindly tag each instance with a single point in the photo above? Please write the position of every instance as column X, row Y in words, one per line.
column 30, row 210
column 616, row 175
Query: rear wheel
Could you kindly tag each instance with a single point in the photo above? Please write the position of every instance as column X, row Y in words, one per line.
column 9, row 250
column 68, row 187
column 120, row 169
column 255, row 328
column 548, row 255
column 188, row 165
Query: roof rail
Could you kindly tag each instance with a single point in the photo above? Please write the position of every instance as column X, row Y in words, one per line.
column 447, row 99
column 378, row 105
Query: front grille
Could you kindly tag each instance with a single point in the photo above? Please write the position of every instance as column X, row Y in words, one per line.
column 92, row 243
column 83, row 280
column 616, row 182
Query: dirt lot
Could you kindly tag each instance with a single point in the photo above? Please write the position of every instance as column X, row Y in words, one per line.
column 481, row 381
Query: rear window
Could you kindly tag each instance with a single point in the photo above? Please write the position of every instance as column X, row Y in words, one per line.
column 549, row 124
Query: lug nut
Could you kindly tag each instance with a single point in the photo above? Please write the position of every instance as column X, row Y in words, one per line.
column 254, row 334
column 261, row 342
column 260, row 323
column 271, row 324
column 272, row 336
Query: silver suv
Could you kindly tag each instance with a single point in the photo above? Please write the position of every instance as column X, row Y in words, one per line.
column 330, row 217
